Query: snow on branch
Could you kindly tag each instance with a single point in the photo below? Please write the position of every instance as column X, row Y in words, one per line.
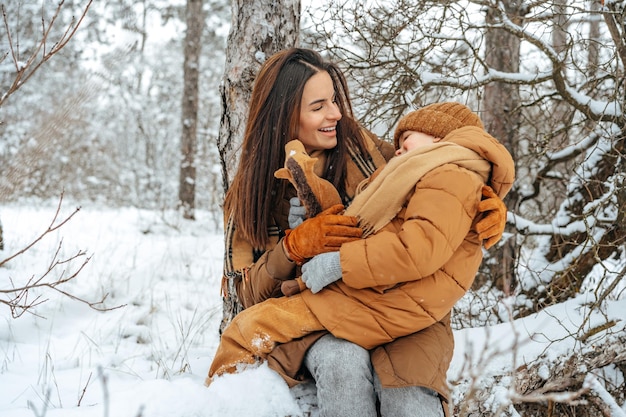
column 611, row 15
column 594, row 386
column 571, row 378
column 554, row 66
column 595, row 109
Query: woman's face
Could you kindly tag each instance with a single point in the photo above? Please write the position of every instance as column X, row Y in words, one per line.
column 319, row 114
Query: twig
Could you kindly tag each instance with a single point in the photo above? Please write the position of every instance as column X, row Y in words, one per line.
column 25, row 71
column 540, row 396
column 51, row 228
column 20, row 303
column 80, row 399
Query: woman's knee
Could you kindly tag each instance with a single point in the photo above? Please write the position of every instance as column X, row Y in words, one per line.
column 406, row 401
column 342, row 351
column 343, row 377
column 339, row 358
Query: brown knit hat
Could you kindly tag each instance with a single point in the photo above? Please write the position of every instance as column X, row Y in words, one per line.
column 437, row 119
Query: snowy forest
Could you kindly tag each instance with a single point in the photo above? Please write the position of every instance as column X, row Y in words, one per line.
column 142, row 104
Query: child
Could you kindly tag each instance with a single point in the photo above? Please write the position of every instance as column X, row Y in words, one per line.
column 420, row 254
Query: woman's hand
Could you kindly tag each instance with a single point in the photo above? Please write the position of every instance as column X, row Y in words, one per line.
column 325, row 232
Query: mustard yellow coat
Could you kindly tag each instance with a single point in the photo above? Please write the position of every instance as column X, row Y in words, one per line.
column 409, row 275
column 419, row 359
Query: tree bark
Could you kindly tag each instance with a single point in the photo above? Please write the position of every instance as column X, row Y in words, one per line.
column 188, row 143
column 259, row 28
column 501, row 116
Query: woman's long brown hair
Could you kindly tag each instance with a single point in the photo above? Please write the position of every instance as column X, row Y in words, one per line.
column 273, row 120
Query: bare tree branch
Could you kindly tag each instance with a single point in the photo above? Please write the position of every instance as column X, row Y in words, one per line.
column 51, row 228
column 18, row 297
column 27, row 69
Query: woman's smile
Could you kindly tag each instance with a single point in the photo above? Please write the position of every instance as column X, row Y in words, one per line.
column 319, row 114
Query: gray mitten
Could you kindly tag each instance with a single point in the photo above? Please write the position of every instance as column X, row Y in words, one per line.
column 297, row 212
column 321, row 270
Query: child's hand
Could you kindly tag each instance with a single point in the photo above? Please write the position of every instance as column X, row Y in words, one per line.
column 297, row 212
column 322, row 270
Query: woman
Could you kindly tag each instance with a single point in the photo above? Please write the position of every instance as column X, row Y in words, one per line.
column 298, row 95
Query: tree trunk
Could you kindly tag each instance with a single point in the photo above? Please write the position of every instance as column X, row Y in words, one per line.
column 501, row 117
column 188, row 143
column 259, row 28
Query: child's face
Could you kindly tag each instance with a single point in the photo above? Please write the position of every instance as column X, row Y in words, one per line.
column 411, row 140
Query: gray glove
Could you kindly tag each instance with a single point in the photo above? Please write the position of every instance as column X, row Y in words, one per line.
column 321, row 270
column 297, row 212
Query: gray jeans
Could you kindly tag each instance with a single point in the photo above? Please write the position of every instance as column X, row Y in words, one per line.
column 347, row 386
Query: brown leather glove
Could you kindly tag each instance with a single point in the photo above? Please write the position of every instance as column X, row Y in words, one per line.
column 491, row 226
column 325, row 232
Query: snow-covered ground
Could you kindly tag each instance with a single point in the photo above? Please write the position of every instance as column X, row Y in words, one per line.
column 148, row 353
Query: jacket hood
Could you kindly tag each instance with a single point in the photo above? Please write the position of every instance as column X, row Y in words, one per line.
column 481, row 142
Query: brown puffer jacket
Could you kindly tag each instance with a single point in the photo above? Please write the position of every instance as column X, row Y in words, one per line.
column 409, row 274
column 419, row 359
